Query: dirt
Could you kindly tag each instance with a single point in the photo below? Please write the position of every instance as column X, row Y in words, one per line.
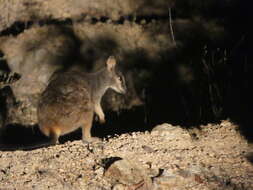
column 214, row 156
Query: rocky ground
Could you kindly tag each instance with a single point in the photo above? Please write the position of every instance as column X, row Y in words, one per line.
column 214, row 156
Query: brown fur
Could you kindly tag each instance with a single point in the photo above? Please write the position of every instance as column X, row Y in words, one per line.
column 71, row 98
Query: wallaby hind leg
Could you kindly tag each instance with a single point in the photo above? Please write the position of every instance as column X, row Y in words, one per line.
column 53, row 132
column 54, row 137
column 86, row 128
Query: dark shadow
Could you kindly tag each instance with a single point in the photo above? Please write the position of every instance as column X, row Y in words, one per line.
column 73, row 54
column 17, row 135
column 107, row 162
column 240, row 103
column 16, row 28
column 93, row 53
column 3, row 63
column 27, row 136
column 249, row 157
column 126, row 121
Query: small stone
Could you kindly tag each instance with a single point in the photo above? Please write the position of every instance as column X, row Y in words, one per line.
column 119, row 187
column 148, row 149
column 109, row 21
column 88, row 18
column 99, row 172
column 171, row 132
column 143, row 21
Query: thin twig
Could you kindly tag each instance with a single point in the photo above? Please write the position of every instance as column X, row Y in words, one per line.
column 171, row 28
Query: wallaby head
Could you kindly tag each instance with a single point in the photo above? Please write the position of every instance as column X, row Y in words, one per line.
column 116, row 79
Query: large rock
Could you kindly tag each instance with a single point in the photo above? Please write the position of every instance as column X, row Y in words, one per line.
column 36, row 54
column 171, row 132
column 23, row 10
column 128, row 173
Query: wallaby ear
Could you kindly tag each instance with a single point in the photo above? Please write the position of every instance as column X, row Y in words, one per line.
column 110, row 63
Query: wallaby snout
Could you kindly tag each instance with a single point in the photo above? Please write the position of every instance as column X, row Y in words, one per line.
column 120, row 86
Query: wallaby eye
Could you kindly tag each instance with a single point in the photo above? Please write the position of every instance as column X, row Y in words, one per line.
column 120, row 78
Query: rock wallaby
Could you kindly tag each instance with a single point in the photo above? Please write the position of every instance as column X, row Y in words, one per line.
column 71, row 98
